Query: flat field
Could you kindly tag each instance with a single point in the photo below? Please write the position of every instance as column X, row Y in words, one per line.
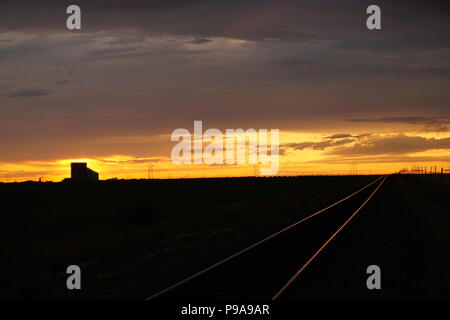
column 132, row 238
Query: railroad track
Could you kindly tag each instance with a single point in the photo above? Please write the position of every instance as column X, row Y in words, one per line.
column 267, row 268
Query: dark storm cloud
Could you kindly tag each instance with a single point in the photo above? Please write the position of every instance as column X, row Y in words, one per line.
column 316, row 145
column 256, row 63
column 199, row 40
column 407, row 120
column 339, row 26
column 432, row 124
column 109, row 4
column 252, row 19
column 331, row 141
column 363, row 135
column 339, row 136
column 394, row 144
column 380, row 159
column 373, row 145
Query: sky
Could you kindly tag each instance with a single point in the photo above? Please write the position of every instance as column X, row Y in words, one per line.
column 112, row 93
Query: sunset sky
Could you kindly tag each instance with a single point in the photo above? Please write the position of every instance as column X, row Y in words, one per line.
column 112, row 93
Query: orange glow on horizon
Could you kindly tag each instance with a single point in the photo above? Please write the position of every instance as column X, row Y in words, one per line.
column 304, row 161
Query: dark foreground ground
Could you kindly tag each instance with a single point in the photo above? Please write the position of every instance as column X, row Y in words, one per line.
column 134, row 238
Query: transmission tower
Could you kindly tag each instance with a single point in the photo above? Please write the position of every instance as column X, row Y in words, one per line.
column 150, row 171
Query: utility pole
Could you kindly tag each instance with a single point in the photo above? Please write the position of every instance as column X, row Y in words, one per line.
column 353, row 169
column 256, row 170
column 150, row 171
